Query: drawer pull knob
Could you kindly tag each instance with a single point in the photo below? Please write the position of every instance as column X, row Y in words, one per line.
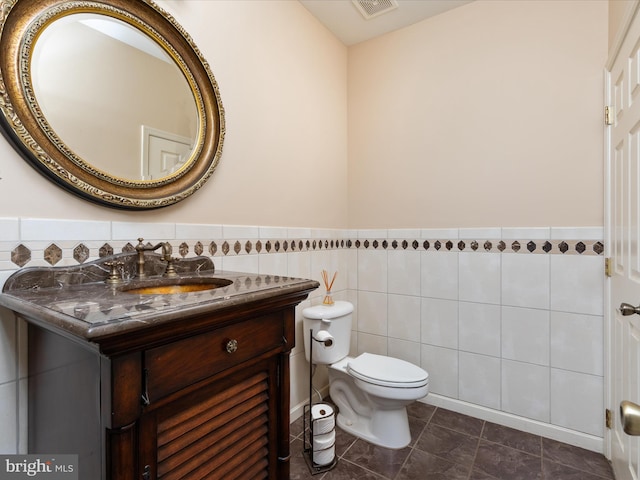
column 232, row 346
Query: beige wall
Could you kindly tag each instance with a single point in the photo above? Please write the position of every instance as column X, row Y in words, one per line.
column 282, row 78
column 488, row 115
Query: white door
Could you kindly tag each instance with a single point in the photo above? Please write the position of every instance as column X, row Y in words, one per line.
column 623, row 245
column 163, row 153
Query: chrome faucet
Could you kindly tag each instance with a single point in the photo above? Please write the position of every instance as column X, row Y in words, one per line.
column 141, row 248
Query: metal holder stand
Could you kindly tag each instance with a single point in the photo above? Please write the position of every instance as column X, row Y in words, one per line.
column 309, row 424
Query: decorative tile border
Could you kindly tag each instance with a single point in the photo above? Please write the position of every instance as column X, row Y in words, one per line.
column 22, row 254
column 580, row 247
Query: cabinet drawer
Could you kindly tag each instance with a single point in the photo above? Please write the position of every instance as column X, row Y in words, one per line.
column 172, row 367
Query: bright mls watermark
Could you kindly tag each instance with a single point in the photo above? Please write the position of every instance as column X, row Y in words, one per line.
column 49, row 467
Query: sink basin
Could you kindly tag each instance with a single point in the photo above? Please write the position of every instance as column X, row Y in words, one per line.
column 171, row 286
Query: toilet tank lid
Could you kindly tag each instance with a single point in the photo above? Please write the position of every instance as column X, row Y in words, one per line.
column 338, row 309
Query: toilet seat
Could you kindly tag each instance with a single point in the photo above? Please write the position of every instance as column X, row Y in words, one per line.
column 387, row 371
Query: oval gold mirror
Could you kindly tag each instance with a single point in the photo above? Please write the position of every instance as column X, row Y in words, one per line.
column 111, row 99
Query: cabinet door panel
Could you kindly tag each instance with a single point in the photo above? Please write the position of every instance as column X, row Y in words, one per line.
column 221, row 431
column 176, row 432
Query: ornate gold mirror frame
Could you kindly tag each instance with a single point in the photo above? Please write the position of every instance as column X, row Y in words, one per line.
column 24, row 125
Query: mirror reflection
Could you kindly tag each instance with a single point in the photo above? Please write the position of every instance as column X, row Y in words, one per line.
column 129, row 109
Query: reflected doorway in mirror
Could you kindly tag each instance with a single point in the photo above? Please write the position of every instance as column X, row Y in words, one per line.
column 163, row 153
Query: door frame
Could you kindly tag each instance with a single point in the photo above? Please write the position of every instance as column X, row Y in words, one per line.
column 146, row 133
column 629, row 15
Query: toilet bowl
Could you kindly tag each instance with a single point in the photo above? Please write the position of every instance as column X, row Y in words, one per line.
column 374, row 408
column 371, row 391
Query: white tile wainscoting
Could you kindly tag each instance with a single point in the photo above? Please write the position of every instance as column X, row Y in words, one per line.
column 512, row 337
column 508, row 321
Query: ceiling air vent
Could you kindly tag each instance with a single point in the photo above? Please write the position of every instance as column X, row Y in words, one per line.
column 373, row 8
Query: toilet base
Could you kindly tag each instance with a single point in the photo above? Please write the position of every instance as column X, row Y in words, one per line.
column 386, row 428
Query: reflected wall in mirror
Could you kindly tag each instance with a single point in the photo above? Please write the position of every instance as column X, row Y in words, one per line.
column 110, row 98
column 133, row 85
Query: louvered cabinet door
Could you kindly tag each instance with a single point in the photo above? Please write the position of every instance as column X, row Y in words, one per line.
column 226, row 430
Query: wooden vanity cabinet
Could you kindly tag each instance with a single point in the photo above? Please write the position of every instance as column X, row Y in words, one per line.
column 201, row 397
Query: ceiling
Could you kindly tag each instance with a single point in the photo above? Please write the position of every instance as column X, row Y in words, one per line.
column 346, row 22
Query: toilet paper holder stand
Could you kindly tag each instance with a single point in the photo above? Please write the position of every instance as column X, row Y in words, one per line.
column 310, row 425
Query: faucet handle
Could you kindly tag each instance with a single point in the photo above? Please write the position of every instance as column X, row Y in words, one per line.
column 170, row 270
column 113, row 278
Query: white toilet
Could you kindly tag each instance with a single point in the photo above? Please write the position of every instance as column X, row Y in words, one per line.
column 371, row 391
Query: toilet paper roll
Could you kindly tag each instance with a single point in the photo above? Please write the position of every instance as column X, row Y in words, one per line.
column 324, row 338
column 323, row 418
column 324, row 441
column 324, row 448
column 324, row 457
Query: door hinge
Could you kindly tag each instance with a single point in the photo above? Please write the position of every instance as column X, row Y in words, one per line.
column 607, row 267
column 607, row 418
column 608, row 115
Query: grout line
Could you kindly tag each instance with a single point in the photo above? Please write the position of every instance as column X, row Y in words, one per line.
column 541, row 457
column 377, row 474
column 480, row 438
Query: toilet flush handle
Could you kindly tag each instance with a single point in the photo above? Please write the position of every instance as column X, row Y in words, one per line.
column 326, row 320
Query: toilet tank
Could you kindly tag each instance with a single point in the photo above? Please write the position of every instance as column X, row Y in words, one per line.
column 332, row 322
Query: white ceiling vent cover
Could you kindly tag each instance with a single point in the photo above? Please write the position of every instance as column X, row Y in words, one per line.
column 373, row 8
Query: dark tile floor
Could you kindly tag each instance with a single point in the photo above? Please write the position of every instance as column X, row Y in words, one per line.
column 450, row 446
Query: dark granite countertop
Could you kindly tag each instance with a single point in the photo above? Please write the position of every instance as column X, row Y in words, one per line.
column 77, row 301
